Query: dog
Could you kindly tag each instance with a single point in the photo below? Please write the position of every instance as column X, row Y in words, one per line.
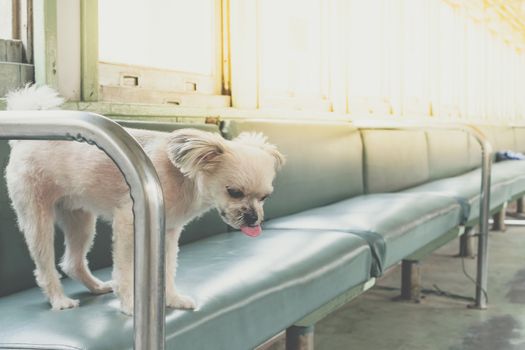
column 72, row 184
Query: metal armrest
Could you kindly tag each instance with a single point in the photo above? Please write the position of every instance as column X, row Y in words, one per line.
column 146, row 193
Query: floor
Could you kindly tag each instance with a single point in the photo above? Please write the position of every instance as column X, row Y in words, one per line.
column 442, row 319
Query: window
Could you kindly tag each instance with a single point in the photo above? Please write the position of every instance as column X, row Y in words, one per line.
column 366, row 57
column 147, row 55
column 8, row 25
column 476, row 74
column 16, row 69
column 450, row 72
column 290, row 49
column 445, row 58
column 415, row 53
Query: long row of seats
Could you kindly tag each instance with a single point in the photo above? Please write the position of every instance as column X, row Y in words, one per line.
column 349, row 204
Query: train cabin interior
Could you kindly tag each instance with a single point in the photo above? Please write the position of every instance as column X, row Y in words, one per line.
column 397, row 221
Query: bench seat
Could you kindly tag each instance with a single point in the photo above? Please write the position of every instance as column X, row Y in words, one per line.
column 246, row 289
column 391, row 222
column 466, row 189
column 514, row 172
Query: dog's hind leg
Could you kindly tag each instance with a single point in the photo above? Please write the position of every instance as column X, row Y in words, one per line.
column 36, row 219
column 123, row 257
column 79, row 230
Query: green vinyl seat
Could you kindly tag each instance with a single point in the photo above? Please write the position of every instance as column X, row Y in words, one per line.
column 465, row 188
column 513, row 171
column 394, row 224
column 246, row 291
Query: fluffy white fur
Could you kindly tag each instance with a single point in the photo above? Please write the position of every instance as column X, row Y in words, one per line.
column 71, row 184
column 42, row 97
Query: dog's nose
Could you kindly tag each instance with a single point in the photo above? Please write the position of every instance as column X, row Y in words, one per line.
column 250, row 218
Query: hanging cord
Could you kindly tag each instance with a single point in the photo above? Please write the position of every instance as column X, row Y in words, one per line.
column 435, row 291
column 472, row 279
column 439, row 292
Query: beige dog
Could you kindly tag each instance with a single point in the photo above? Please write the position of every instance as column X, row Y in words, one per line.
column 73, row 183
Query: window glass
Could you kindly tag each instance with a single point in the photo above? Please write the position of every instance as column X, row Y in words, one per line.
column 365, row 48
column 6, row 19
column 290, row 48
column 415, row 51
column 167, row 34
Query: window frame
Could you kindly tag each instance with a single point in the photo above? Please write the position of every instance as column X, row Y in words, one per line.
column 123, row 83
column 22, row 27
column 16, row 52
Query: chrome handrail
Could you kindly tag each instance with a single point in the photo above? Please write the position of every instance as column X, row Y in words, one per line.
column 146, row 193
column 486, row 164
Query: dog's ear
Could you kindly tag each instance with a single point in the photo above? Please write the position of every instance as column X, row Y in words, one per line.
column 193, row 150
column 257, row 139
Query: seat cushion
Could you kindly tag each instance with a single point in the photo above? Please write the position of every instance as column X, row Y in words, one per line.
column 513, row 172
column 466, row 189
column 246, row 289
column 394, row 224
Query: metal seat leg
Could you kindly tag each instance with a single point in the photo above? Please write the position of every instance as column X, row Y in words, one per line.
column 300, row 338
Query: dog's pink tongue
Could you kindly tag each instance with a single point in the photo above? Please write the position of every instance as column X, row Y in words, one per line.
column 251, row 231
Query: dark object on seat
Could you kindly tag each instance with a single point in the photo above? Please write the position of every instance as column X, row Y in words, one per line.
column 509, row 155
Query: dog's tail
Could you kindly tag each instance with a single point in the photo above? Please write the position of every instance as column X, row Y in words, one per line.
column 32, row 97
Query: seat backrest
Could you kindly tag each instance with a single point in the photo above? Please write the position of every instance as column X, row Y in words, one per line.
column 474, row 152
column 450, row 153
column 394, row 159
column 16, row 266
column 519, row 138
column 502, row 138
column 323, row 162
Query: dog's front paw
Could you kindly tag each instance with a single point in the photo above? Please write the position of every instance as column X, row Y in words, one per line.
column 126, row 307
column 177, row 301
column 101, row 288
column 64, row 303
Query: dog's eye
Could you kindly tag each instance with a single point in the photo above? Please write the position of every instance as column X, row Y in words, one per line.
column 235, row 193
column 264, row 198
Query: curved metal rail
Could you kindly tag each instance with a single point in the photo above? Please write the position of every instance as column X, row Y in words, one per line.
column 486, row 164
column 146, row 193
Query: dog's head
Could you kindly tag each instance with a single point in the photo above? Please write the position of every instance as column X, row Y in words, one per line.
column 234, row 176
